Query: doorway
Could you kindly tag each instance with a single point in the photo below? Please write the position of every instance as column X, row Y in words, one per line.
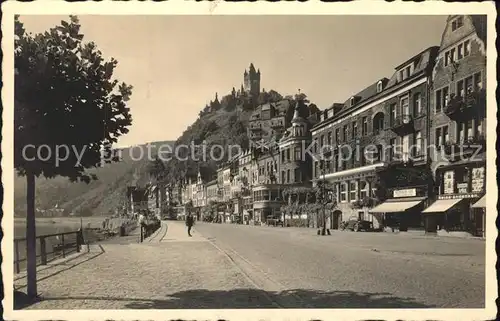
column 336, row 220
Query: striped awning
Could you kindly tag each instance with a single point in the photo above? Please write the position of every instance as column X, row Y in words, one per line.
column 441, row 206
column 391, row 206
column 481, row 203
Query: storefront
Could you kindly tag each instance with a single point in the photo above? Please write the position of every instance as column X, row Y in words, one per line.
column 266, row 202
column 479, row 213
column 461, row 186
column 403, row 210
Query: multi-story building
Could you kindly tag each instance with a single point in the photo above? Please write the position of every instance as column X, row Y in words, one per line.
column 295, row 163
column 198, row 195
column 248, row 175
column 384, row 124
column 269, row 121
column 458, row 126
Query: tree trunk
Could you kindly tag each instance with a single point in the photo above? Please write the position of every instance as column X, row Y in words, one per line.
column 31, row 236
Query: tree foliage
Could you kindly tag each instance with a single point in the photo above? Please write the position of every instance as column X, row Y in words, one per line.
column 65, row 95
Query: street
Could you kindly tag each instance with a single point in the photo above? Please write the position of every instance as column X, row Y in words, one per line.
column 348, row 269
column 238, row 266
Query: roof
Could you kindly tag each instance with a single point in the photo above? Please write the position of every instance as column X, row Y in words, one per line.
column 479, row 22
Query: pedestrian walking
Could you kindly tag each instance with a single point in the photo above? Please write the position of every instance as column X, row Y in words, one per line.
column 189, row 223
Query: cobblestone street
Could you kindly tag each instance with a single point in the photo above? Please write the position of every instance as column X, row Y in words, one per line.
column 235, row 266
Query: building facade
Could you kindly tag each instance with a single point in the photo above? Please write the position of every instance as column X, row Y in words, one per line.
column 384, row 124
column 458, row 127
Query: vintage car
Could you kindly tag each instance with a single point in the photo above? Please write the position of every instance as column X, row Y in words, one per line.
column 356, row 225
column 273, row 221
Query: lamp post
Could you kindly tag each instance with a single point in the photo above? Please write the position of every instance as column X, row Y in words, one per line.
column 324, row 230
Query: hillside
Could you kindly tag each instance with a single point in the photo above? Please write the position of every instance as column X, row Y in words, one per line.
column 99, row 197
column 221, row 123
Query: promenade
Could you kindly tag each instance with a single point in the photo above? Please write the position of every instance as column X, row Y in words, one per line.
column 239, row 266
column 158, row 273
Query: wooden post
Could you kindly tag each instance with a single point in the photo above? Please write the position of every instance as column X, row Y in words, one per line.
column 16, row 256
column 43, row 251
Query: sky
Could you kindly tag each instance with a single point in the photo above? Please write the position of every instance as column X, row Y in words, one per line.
column 177, row 63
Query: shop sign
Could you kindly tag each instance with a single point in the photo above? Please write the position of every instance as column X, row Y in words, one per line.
column 477, row 179
column 449, row 181
column 462, row 187
column 410, row 192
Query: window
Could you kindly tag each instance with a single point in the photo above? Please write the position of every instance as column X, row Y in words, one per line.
column 406, row 147
column 379, row 86
column 316, row 169
column 393, row 113
column 460, row 88
column 452, row 55
column 315, row 146
column 478, row 82
column 460, row 132
column 469, row 129
column 288, row 175
column 364, row 129
column 417, row 105
column 479, row 126
column 361, row 215
column 405, row 106
column 337, row 135
column 442, row 136
column 392, row 143
column 441, row 99
column 469, row 85
column 345, row 133
column 353, row 191
column 408, row 71
column 329, row 139
column 322, row 141
column 457, row 23
column 288, row 154
column 298, row 153
column 343, row 192
column 354, row 130
column 460, row 51
column 282, row 156
column 466, row 48
column 446, row 58
column 418, row 143
column 352, row 101
column 297, row 175
column 363, row 189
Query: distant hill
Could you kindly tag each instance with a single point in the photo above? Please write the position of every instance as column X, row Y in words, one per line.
column 100, row 197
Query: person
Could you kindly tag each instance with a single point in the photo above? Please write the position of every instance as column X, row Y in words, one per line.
column 189, row 223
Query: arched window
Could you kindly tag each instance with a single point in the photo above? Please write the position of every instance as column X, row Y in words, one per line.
column 378, row 123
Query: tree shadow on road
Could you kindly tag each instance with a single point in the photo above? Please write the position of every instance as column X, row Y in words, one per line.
column 257, row 299
column 297, row 298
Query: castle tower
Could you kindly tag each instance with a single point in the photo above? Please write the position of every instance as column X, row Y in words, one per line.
column 252, row 81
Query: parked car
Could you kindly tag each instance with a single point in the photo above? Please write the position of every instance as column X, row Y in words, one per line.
column 274, row 222
column 356, row 225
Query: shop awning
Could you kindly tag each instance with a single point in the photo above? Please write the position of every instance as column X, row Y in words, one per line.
column 440, row 206
column 391, row 206
column 480, row 203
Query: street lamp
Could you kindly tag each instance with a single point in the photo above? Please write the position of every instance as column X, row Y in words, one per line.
column 324, row 230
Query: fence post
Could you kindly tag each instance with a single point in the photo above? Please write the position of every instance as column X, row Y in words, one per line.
column 43, row 251
column 63, row 251
column 16, row 256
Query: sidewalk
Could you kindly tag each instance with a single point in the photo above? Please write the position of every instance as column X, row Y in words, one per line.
column 175, row 271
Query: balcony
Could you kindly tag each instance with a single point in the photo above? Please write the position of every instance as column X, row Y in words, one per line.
column 255, row 127
column 462, row 107
column 469, row 146
column 402, row 124
column 277, row 124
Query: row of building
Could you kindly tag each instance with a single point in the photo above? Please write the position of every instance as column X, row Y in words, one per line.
column 406, row 151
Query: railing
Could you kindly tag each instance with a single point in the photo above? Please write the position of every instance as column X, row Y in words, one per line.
column 48, row 248
column 401, row 121
column 147, row 229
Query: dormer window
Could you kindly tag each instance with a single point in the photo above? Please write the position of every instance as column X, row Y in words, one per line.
column 379, row 86
column 457, row 23
column 405, row 72
column 353, row 101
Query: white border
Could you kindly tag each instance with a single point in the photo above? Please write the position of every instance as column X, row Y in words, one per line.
column 362, row 7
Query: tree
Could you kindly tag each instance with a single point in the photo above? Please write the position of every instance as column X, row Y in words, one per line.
column 157, row 169
column 66, row 102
